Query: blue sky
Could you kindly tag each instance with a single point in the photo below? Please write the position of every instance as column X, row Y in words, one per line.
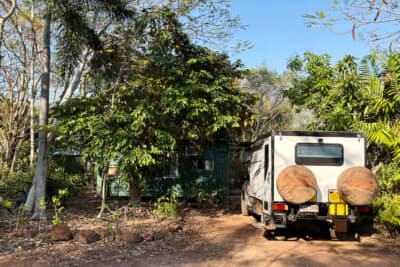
column 277, row 31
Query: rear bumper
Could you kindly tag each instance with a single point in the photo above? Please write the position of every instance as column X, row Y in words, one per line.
column 326, row 211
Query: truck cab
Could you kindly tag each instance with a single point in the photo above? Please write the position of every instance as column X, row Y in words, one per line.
column 302, row 175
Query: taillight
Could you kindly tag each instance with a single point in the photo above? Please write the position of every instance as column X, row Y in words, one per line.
column 363, row 209
column 280, row 207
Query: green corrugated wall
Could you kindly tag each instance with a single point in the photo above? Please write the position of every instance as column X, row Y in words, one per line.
column 189, row 182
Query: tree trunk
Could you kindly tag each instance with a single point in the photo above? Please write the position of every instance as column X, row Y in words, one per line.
column 104, row 189
column 135, row 191
column 40, row 183
column 33, row 94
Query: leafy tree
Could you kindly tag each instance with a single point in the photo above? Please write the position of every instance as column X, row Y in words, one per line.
column 207, row 22
column 368, row 16
column 168, row 91
column 332, row 93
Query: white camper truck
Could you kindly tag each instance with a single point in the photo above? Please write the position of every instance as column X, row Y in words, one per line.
column 299, row 175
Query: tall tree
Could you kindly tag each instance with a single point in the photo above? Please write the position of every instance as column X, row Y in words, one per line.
column 75, row 34
column 207, row 22
column 167, row 91
column 272, row 109
column 331, row 93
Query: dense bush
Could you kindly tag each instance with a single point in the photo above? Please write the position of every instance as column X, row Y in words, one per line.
column 65, row 172
column 388, row 203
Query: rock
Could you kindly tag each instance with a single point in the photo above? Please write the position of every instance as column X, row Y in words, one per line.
column 87, row 236
column 43, row 236
column 301, row 240
column 131, row 238
column 30, row 233
column 60, row 232
column 103, row 234
column 174, row 228
column 148, row 238
column 170, row 234
column 160, row 235
column 376, row 236
column 167, row 221
column 180, row 219
column 193, row 212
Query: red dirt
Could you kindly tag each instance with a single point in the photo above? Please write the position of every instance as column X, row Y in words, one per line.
column 208, row 238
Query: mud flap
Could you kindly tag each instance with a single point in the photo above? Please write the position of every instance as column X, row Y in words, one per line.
column 340, row 226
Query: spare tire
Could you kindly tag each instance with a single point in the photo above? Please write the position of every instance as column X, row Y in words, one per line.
column 296, row 184
column 358, row 186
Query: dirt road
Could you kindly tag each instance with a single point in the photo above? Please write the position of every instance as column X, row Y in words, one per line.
column 230, row 240
column 207, row 238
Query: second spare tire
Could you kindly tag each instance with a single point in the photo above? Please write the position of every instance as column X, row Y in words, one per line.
column 296, row 184
column 358, row 186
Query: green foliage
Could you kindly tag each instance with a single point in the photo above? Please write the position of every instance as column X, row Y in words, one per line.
column 168, row 90
column 12, row 182
column 20, row 220
column 389, row 212
column 57, row 203
column 19, row 215
column 165, row 206
column 215, row 197
column 332, row 93
column 65, row 172
column 74, row 33
column 116, row 220
column 6, row 203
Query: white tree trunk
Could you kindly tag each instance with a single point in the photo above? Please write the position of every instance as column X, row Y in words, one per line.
column 40, row 181
column 33, row 94
column 32, row 199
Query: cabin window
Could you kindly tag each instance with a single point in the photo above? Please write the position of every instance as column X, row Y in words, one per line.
column 169, row 166
column 319, row 154
column 205, row 164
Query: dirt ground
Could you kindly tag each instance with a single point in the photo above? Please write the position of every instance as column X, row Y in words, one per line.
column 230, row 240
column 207, row 237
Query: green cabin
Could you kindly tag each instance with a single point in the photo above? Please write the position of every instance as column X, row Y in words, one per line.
column 211, row 169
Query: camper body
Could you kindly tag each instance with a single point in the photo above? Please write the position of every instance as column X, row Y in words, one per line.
column 325, row 154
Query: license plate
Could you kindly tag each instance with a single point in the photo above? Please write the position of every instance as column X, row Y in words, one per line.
column 309, row 208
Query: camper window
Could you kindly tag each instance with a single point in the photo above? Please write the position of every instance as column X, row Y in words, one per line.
column 319, row 154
